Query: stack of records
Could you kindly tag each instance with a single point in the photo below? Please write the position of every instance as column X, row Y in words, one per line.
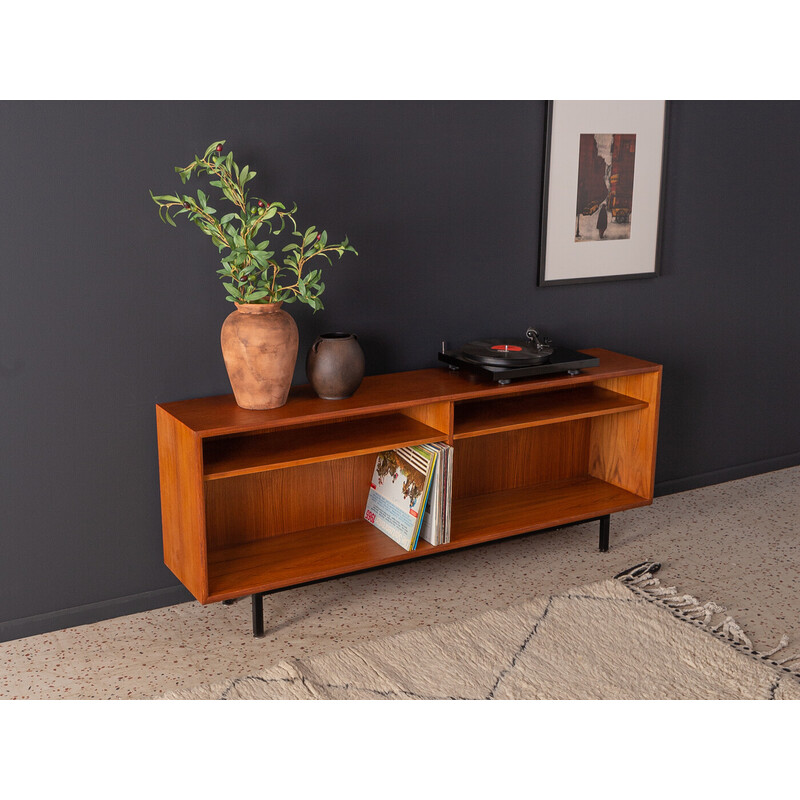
column 436, row 521
column 410, row 494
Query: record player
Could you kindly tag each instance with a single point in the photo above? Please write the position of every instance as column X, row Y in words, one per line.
column 503, row 360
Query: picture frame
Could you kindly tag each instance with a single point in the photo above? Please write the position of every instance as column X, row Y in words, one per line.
column 602, row 198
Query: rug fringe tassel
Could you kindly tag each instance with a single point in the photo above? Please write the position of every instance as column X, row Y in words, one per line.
column 783, row 642
column 731, row 630
column 641, row 579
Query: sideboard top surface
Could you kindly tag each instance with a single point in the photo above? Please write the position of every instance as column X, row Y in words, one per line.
column 219, row 416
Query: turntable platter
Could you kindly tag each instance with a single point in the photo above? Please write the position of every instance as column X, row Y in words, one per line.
column 506, row 352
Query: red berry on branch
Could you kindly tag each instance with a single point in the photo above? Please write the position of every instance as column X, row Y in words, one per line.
column 261, row 204
column 318, row 237
column 219, row 148
column 186, row 205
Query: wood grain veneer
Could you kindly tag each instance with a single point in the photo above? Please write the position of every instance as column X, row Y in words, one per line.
column 437, row 415
column 266, row 504
column 180, row 470
column 520, row 458
column 623, row 450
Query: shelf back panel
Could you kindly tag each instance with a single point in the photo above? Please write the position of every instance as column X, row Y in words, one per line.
column 520, row 458
column 264, row 504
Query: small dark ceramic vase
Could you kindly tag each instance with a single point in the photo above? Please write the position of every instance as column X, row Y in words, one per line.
column 335, row 365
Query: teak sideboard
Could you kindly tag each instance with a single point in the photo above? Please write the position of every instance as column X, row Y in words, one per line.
column 257, row 501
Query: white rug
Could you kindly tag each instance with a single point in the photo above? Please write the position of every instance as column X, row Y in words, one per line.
column 627, row 638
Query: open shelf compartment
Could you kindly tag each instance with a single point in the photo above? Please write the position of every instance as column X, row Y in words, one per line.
column 305, row 556
column 478, row 417
column 225, row 457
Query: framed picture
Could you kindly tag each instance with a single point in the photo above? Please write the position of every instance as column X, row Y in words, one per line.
column 603, row 185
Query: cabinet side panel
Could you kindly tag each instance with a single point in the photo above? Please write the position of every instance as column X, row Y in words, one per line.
column 250, row 507
column 623, row 446
column 520, row 458
column 180, row 469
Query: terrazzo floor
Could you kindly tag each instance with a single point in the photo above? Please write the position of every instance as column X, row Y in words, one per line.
column 737, row 543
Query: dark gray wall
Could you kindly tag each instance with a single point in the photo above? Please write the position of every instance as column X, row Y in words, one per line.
column 106, row 311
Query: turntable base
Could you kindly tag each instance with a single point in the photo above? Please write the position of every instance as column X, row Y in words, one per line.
column 561, row 360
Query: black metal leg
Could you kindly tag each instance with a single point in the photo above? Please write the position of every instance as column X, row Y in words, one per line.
column 605, row 528
column 258, row 615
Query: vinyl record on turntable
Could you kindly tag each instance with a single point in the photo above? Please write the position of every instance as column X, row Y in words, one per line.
column 505, row 352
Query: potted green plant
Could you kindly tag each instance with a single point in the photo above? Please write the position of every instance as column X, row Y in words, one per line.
column 259, row 339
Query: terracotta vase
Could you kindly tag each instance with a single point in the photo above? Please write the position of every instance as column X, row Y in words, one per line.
column 335, row 365
column 259, row 345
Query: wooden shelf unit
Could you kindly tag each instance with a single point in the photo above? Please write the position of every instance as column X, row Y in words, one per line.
column 256, row 501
